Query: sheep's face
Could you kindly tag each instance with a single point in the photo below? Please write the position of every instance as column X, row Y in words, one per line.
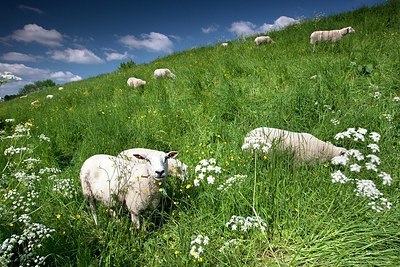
column 350, row 30
column 157, row 163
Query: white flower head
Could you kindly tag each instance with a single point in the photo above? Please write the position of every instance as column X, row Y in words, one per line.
column 375, row 136
column 374, row 148
column 355, row 167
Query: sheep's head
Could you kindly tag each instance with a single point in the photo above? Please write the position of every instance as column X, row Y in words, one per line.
column 157, row 162
column 350, row 30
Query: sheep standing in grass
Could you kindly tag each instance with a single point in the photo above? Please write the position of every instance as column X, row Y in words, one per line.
column 49, row 96
column 263, row 39
column 304, row 147
column 162, row 73
column 135, row 82
column 114, row 180
column 333, row 35
column 224, row 44
column 176, row 168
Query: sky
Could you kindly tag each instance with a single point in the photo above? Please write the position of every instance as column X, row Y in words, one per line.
column 72, row 40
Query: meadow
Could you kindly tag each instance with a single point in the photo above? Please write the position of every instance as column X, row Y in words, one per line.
column 252, row 209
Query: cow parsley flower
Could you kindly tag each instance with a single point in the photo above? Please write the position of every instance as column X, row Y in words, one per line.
column 387, row 179
column 197, row 249
column 355, row 167
column 245, row 224
column 206, row 168
column 374, row 148
column 340, row 160
column 375, row 136
column 339, row 177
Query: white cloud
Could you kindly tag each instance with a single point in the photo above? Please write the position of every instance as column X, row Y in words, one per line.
column 279, row 23
column 153, row 41
column 35, row 33
column 246, row 28
column 116, row 56
column 15, row 56
column 81, row 56
column 34, row 9
column 242, row 28
column 30, row 75
column 209, row 29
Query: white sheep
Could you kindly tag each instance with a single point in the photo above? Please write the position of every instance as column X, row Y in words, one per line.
column 34, row 102
column 161, row 73
column 60, row 88
column 114, row 180
column 224, row 44
column 333, row 35
column 135, row 82
column 304, row 147
column 176, row 168
column 49, row 96
column 263, row 39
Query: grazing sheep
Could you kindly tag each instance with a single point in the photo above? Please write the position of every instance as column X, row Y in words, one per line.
column 176, row 168
column 333, row 35
column 114, row 180
column 135, row 82
column 263, row 39
column 161, row 73
column 224, row 44
column 34, row 102
column 304, row 147
column 60, row 88
column 49, row 96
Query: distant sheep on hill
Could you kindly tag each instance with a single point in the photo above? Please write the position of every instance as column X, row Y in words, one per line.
column 49, row 96
column 161, row 73
column 304, row 147
column 333, row 35
column 114, row 180
column 263, row 39
column 224, row 44
column 135, row 82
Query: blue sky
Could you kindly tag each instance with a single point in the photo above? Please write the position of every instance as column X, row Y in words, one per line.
column 71, row 40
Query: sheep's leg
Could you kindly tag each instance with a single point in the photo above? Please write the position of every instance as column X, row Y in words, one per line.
column 92, row 205
column 135, row 219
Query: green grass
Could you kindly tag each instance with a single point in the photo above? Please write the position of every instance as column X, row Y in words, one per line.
column 219, row 95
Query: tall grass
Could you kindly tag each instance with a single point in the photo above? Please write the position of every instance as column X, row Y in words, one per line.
column 220, row 94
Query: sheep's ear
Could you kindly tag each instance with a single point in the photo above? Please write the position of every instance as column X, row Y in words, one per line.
column 172, row 154
column 138, row 156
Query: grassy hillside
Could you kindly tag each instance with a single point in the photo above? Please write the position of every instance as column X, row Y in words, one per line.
column 219, row 95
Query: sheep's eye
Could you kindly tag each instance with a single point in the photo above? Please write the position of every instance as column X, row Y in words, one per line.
column 138, row 156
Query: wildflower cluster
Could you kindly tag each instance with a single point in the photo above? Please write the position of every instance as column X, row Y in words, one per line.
column 256, row 143
column 360, row 165
column 197, row 246
column 63, row 186
column 206, row 170
column 238, row 178
column 19, row 195
column 239, row 223
column 22, row 248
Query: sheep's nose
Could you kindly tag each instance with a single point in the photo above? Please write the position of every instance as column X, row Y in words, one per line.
column 160, row 173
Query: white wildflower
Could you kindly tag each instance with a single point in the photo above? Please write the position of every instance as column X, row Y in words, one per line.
column 371, row 166
column 387, row 179
column 335, row 121
column 355, row 167
column 374, row 148
column 339, row 177
column 340, row 160
column 375, row 136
